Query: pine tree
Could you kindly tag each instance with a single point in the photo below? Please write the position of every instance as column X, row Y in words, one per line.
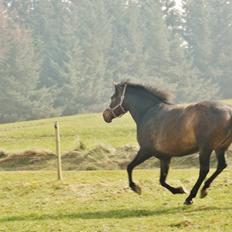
column 198, row 34
column 156, row 37
column 72, row 97
column 20, row 99
column 221, row 35
column 183, row 76
column 94, row 34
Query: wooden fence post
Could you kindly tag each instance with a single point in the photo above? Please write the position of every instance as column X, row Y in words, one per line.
column 58, row 151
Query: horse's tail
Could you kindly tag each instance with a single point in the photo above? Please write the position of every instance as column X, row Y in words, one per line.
column 227, row 140
column 230, row 125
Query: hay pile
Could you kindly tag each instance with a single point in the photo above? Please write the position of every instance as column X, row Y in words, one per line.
column 100, row 157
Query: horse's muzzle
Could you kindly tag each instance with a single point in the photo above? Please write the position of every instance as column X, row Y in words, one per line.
column 107, row 115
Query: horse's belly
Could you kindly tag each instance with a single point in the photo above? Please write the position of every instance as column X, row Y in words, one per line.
column 179, row 150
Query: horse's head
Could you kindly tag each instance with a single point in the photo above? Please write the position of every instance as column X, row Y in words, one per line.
column 117, row 105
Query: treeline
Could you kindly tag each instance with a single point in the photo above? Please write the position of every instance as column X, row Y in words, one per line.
column 59, row 57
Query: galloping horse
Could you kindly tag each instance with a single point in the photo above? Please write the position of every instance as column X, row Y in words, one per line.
column 165, row 130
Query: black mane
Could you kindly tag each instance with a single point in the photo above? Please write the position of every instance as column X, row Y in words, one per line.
column 162, row 95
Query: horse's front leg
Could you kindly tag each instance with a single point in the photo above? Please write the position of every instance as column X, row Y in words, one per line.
column 204, row 158
column 139, row 158
column 164, row 168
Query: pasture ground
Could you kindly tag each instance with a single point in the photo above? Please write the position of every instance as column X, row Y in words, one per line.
column 101, row 201
column 90, row 129
column 98, row 201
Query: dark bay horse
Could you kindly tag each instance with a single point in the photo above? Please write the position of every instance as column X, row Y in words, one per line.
column 165, row 130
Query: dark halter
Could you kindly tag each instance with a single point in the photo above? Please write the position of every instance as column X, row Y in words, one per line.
column 113, row 110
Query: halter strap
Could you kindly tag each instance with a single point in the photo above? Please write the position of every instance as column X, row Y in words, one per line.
column 112, row 110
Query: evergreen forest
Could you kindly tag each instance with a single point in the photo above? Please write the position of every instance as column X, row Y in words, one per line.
column 60, row 57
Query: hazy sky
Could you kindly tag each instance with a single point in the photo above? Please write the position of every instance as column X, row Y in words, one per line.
column 178, row 2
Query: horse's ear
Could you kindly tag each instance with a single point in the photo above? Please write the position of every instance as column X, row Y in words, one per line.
column 114, row 83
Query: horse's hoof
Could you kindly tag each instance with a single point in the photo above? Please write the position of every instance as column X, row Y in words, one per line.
column 188, row 202
column 204, row 193
column 180, row 190
column 137, row 189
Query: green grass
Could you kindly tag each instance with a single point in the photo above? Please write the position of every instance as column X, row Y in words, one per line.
column 229, row 101
column 89, row 128
column 101, row 201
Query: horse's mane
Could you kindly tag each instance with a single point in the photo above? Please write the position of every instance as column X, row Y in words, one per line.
column 162, row 95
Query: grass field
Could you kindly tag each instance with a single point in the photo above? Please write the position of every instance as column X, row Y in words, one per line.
column 90, row 129
column 229, row 101
column 101, row 201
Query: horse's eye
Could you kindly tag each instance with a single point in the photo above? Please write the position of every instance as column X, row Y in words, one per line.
column 113, row 96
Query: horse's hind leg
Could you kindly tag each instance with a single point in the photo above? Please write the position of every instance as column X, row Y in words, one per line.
column 220, row 167
column 139, row 158
column 164, row 167
column 204, row 158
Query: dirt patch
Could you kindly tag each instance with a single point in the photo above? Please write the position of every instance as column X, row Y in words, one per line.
column 106, row 189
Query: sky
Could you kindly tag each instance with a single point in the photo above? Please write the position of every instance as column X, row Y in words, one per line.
column 179, row 3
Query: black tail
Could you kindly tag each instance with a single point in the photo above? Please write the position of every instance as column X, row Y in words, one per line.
column 228, row 138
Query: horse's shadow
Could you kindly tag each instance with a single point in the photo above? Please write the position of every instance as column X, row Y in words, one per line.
column 116, row 214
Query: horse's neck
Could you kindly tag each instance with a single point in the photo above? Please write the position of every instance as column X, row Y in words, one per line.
column 138, row 107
